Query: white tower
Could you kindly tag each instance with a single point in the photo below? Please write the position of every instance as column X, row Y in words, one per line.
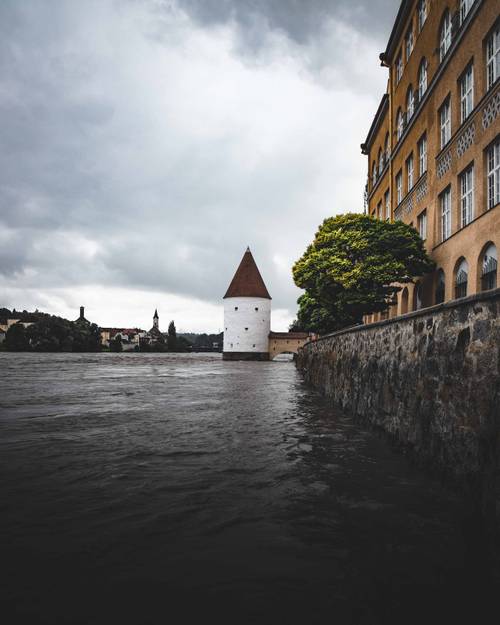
column 247, row 314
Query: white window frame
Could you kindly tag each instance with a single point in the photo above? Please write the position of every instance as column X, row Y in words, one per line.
column 409, row 43
column 465, row 6
column 422, row 155
column 399, row 187
column 467, row 93
column 422, row 13
column 422, row 224
column 445, row 205
column 399, row 124
column 445, row 122
column 387, row 200
column 493, row 56
column 399, row 67
column 445, row 36
column 380, row 162
column 410, row 178
column 493, row 166
column 374, row 174
column 422, row 79
column 467, row 196
column 410, row 102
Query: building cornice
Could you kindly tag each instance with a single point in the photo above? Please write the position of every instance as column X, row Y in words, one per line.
column 397, row 30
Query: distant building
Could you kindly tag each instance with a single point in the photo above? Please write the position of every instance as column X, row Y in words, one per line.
column 130, row 337
column 154, row 336
column 81, row 318
column 433, row 148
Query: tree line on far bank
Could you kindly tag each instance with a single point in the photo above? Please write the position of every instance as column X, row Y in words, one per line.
column 49, row 333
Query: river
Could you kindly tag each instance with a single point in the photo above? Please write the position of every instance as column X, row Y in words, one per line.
column 156, row 488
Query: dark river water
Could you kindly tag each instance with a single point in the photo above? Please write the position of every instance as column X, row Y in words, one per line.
column 161, row 488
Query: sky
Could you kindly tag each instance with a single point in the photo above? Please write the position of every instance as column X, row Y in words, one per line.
column 147, row 143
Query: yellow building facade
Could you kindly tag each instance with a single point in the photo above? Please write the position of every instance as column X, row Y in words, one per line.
column 434, row 144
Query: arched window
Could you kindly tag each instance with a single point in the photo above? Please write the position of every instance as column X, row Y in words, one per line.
column 386, row 148
column 418, row 299
column 404, row 301
column 380, row 161
column 410, row 102
column 461, row 278
column 440, row 285
column 422, row 78
column 374, row 174
column 399, row 124
column 489, row 268
column 445, row 35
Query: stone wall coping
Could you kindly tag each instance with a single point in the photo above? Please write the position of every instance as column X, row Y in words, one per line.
column 483, row 296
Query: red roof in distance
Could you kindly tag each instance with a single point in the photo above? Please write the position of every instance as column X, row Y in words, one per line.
column 247, row 281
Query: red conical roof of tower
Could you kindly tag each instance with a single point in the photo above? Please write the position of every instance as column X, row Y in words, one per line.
column 247, row 281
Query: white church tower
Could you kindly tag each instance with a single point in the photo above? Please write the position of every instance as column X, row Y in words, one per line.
column 247, row 314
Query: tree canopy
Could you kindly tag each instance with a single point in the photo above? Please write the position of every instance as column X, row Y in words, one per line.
column 352, row 268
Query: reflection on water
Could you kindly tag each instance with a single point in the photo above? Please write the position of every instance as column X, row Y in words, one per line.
column 161, row 488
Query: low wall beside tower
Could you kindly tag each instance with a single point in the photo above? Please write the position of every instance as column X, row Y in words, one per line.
column 430, row 379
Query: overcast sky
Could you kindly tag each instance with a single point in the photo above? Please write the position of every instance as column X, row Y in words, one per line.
column 146, row 143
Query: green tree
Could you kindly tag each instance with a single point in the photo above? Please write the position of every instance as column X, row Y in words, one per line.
column 115, row 345
column 352, row 267
column 172, row 337
column 16, row 339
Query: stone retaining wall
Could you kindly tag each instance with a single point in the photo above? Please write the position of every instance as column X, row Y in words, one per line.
column 429, row 378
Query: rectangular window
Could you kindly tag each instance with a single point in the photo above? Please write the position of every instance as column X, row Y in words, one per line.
column 422, row 224
column 409, row 172
column 493, row 158
column 445, row 203
column 445, row 122
column 409, row 43
column 422, row 13
column 467, row 196
column 399, row 187
column 493, row 56
column 379, row 210
column 387, row 201
column 466, row 93
column 422, row 155
column 399, row 67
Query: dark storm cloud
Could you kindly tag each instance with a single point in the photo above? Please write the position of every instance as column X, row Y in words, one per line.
column 301, row 20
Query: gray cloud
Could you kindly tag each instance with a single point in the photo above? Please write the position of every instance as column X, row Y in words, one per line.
column 141, row 151
column 301, row 20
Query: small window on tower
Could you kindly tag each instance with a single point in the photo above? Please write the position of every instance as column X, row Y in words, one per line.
column 256, row 308
column 236, row 308
column 253, row 345
column 246, row 328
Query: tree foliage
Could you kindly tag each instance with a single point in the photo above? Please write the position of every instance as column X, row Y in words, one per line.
column 16, row 339
column 352, row 267
column 172, row 337
column 53, row 334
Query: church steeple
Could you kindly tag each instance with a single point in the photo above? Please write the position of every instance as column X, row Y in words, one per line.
column 155, row 320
